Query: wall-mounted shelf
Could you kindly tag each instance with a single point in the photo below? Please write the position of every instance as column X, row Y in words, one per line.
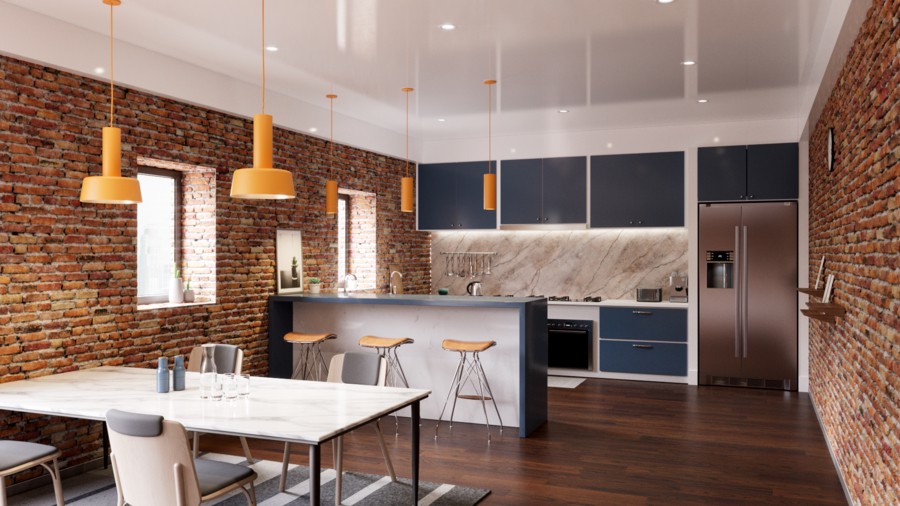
column 812, row 292
column 825, row 312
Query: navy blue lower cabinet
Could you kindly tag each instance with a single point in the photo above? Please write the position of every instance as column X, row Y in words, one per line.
column 643, row 323
column 643, row 357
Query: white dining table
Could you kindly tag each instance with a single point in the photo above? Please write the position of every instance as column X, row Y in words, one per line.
column 306, row 412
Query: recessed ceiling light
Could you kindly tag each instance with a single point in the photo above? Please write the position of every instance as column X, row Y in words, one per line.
column 715, row 139
column 448, row 27
column 441, row 120
column 313, row 129
column 664, row 1
column 272, row 49
column 688, row 63
column 99, row 70
column 562, row 111
column 609, row 145
column 512, row 150
column 702, row 100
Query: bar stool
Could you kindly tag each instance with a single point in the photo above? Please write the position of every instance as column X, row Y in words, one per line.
column 387, row 348
column 469, row 365
column 311, row 362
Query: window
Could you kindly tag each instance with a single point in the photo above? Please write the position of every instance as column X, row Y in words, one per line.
column 343, row 233
column 158, row 233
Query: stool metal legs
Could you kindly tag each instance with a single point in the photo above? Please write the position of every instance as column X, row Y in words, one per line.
column 310, row 364
column 395, row 376
column 465, row 370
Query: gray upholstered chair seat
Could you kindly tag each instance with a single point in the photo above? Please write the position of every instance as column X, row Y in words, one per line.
column 214, row 475
column 15, row 453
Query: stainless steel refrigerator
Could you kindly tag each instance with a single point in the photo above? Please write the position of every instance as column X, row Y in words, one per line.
column 747, row 295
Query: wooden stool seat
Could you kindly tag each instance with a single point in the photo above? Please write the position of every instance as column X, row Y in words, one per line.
column 383, row 342
column 311, row 364
column 300, row 338
column 454, row 345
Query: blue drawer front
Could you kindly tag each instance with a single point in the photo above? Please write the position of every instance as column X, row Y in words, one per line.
column 643, row 323
column 643, row 357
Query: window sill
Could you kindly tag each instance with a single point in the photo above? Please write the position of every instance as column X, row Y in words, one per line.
column 169, row 305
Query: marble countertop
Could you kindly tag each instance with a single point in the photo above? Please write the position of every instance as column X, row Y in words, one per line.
column 623, row 303
column 411, row 299
column 280, row 409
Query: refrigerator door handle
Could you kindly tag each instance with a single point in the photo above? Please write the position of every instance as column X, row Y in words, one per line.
column 745, row 267
column 739, row 284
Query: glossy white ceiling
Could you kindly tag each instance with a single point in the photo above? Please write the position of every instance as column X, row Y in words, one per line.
column 612, row 63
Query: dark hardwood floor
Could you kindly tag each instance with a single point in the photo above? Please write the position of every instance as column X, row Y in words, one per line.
column 620, row 443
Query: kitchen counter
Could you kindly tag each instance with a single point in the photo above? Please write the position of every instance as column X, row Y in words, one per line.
column 516, row 367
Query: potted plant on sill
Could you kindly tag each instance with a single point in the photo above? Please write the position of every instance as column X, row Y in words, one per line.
column 176, row 288
column 189, row 294
column 314, row 285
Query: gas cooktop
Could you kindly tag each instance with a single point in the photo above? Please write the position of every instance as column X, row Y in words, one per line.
column 564, row 298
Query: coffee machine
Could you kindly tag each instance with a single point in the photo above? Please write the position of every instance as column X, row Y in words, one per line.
column 679, row 282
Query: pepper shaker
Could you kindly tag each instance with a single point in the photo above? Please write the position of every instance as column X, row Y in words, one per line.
column 162, row 375
column 178, row 373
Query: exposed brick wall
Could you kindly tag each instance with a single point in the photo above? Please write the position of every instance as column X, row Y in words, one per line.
column 855, row 223
column 68, row 270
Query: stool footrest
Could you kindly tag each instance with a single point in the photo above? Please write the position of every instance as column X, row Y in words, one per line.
column 474, row 397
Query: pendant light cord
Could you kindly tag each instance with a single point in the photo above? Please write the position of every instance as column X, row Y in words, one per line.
column 407, row 130
column 331, row 131
column 263, row 51
column 489, row 128
column 112, row 94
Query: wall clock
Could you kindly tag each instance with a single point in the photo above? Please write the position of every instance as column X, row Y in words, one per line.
column 830, row 150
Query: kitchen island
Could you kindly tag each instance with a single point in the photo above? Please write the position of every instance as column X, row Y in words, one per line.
column 516, row 367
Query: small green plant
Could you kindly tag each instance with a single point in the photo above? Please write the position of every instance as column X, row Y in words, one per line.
column 176, row 272
column 187, row 284
column 314, row 281
column 293, row 261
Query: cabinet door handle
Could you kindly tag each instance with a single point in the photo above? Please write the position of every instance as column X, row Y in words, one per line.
column 545, row 219
column 643, row 313
column 642, row 346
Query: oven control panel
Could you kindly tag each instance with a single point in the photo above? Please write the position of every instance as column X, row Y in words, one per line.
column 569, row 324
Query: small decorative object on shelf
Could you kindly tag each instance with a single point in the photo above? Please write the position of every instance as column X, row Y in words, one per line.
column 825, row 310
column 295, row 280
column 314, row 285
column 819, row 274
column 826, row 295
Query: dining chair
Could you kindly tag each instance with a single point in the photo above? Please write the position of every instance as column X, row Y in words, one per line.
column 16, row 456
column 354, row 369
column 152, row 465
column 228, row 359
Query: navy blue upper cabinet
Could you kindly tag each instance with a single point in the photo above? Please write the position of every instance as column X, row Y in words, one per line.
column 755, row 172
column 637, row 190
column 543, row 191
column 451, row 197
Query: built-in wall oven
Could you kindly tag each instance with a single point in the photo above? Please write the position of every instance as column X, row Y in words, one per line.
column 569, row 343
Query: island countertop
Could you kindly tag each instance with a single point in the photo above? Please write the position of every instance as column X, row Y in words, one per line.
column 516, row 367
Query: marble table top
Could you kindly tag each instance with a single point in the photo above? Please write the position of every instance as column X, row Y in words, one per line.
column 307, row 412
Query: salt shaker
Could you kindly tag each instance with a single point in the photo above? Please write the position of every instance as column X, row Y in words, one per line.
column 178, row 373
column 162, row 375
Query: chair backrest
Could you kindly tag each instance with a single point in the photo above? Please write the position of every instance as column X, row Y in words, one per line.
column 151, row 460
column 358, row 369
column 228, row 359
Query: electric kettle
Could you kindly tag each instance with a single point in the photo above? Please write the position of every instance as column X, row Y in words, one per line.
column 474, row 288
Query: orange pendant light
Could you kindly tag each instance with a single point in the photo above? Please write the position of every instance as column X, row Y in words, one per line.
column 262, row 181
column 407, row 198
column 111, row 187
column 490, row 178
column 331, row 186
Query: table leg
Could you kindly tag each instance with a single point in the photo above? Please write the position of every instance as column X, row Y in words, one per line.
column 414, row 408
column 105, row 446
column 315, row 470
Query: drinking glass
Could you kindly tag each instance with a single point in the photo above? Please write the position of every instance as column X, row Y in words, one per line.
column 243, row 385
column 230, row 387
column 216, row 393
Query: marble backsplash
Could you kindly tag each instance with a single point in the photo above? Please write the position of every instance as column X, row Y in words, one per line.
column 577, row 263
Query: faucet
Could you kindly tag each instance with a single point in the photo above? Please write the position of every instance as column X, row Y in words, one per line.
column 347, row 285
column 393, row 287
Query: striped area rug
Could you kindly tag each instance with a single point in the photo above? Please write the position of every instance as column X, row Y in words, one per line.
column 97, row 488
